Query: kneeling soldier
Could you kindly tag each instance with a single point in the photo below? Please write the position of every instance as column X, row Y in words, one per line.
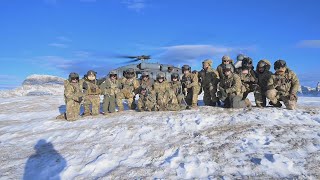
column 230, row 89
column 73, row 97
column 147, row 100
column 283, row 86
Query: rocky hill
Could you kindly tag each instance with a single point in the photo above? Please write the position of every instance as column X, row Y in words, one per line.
column 37, row 85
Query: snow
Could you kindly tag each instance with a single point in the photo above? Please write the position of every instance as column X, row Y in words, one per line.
column 208, row 143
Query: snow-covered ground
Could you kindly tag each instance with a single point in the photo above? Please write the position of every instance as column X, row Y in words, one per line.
column 208, row 143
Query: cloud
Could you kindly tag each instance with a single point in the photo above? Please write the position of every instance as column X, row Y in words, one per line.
column 136, row 5
column 63, row 39
column 192, row 54
column 309, row 44
column 75, row 64
column 62, row 42
column 58, row 45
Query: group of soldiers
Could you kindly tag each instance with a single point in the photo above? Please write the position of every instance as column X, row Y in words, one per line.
column 227, row 86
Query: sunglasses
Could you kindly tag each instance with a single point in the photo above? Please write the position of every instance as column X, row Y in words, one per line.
column 226, row 61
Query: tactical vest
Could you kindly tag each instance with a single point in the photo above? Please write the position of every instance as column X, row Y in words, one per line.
column 283, row 83
column 92, row 88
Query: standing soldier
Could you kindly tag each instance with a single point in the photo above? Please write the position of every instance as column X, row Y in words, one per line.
column 146, row 81
column 147, row 100
column 190, row 86
column 109, row 88
column 238, row 64
column 209, row 82
column 225, row 60
column 230, row 89
column 129, row 87
column 263, row 75
column 176, row 87
column 161, row 86
column 73, row 97
column 283, row 86
column 92, row 94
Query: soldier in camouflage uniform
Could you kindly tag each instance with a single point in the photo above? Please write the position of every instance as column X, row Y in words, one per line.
column 225, row 60
column 209, row 82
column 176, row 87
column 73, row 97
column 147, row 100
column 283, row 86
column 109, row 88
column 129, row 88
column 263, row 75
column 190, row 86
column 92, row 94
column 146, row 81
column 249, row 83
column 161, row 86
column 230, row 89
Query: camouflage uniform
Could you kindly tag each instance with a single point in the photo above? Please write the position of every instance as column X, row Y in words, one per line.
column 129, row 87
column 176, row 87
column 209, row 82
column 191, row 88
column 148, row 83
column 171, row 102
column 92, row 97
column 220, row 67
column 230, row 91
column 109, row 88
column 283, row 88
column 147, row 101
column 160, row 90
column 249, row 83
column 73, row 97
column 263, row 78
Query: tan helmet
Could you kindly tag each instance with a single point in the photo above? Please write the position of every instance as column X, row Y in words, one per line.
column 207, row 61
column 226, row 58
column 160, row 75
column 264, row 63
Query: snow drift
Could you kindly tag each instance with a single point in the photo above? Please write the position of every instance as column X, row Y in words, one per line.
column 208, row 143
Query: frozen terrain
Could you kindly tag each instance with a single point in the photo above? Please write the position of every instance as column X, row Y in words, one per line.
column 210, row 142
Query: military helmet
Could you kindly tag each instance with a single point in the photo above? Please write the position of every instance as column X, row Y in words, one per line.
column 225, row 58
column 264, row 63
column 228, row 67
column 207, row 61
column 145, row 74
column 129, row 73
column 247, row 61
column 174, row 75
column 240, row 57
column 91, row 72
column 160, row 75
column 73, row 76
column 186, row 67
column 113, row 73
column 279, row 63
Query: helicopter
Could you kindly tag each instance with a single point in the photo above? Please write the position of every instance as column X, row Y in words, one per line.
column 144, row 66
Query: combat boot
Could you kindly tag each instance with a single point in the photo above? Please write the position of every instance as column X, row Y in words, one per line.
column 86, row 114
column 61, row 116
column 278, row 104
column 247, row 103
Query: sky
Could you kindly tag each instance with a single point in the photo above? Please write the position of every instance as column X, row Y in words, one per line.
column 57, row 37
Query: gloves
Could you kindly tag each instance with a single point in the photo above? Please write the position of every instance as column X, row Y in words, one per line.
column 292, row 97
column 80, row 99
